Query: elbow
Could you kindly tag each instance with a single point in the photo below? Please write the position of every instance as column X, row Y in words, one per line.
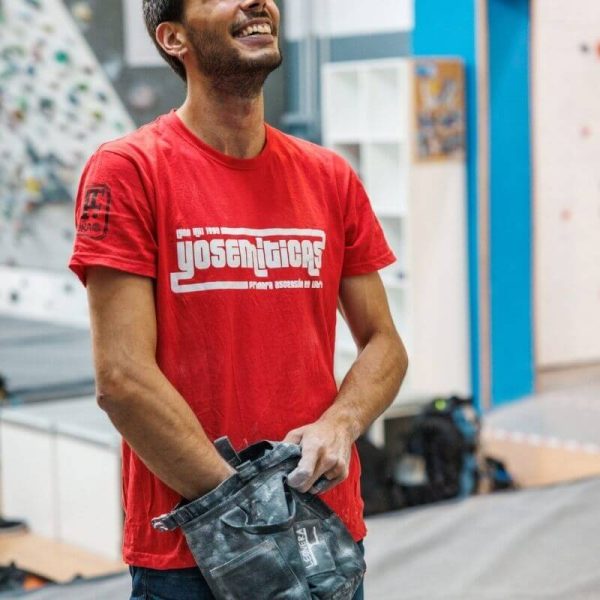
column 112, row 388
column 402, row 360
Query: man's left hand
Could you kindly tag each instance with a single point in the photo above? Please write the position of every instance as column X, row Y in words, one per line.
column 326, row 450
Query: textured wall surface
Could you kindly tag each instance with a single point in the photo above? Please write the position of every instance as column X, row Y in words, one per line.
column 566, row 59
column 66, row 86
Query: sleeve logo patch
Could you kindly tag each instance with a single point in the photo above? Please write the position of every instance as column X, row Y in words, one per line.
column 93, row 221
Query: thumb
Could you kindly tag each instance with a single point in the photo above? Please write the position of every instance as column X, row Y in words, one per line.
column 303, row 473
column 299, row 477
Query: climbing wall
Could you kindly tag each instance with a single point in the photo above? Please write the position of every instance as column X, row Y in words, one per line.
column 57, row 105
column 566, row 111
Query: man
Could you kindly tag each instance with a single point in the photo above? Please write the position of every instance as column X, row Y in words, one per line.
column 215, row 250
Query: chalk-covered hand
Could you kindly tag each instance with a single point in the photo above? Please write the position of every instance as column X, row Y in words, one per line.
column 326, row 450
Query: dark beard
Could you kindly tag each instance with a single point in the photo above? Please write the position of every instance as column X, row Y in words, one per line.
column 231, row 74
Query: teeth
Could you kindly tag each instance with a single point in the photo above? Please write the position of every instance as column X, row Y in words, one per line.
column 253, row 29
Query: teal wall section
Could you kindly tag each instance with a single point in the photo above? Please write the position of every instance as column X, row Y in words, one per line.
column 444, row 31
column 510, row 195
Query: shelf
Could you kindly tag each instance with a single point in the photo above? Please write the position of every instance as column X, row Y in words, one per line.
column 386, row 99
column 343, row 104
column 352, row 153
column 344, row 140
column 392, row 213
column 398, row 302
column 386, row 138
column 369, row 112
column 343, row 337
column 347, row 349
column 394, row 231
column 386, row 175
column 394, row 283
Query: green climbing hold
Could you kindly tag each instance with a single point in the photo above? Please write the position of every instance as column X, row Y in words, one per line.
column 62, row 57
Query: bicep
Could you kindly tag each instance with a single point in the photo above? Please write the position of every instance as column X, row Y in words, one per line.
column 123, row 318
column 364, row 305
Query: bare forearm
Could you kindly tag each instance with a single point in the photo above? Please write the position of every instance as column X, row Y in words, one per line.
column 371, row 384
column 367, row 390
column 163, row 431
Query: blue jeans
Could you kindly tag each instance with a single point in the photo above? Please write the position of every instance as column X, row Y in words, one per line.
column 181, row 584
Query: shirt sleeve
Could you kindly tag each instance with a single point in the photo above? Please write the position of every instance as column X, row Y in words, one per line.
column 366, row 249
column 114, row 218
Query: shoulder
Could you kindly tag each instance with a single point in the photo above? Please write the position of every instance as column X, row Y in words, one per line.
column 311, row 155
column 129, row 162
column 139, row 147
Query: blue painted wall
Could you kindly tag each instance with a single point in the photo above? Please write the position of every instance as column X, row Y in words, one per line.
column 441, row 30
column 510, row 210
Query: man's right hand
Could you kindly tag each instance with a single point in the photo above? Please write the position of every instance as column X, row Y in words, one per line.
column 148, row 411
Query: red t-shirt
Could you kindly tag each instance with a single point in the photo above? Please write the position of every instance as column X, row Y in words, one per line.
column 247, row 256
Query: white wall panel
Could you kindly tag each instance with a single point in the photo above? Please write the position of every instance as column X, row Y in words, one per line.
column 89, row 496
column 566, row 111
column 341, row 18
column 29, row 478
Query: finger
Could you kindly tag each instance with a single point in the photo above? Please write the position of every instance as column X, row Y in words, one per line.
column 328, row 466
column 335, row 476
column 299, row 479
column 302, row 477
column 317, row 474
column 320, row 486
column 321, row 489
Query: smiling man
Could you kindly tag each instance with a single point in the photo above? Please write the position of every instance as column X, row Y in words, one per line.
column 216, row 251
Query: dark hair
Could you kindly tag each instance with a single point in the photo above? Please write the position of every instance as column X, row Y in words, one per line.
column 157, row 12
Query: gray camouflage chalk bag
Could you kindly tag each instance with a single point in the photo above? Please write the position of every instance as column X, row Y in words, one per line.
column 256, row 538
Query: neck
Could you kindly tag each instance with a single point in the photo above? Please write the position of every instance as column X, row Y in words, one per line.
column 230, row 124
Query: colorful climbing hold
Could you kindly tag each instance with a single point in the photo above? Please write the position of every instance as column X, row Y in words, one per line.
column 83, row 12
column 61, row 56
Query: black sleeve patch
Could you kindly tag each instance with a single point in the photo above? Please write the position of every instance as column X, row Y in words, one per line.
column 95, row 213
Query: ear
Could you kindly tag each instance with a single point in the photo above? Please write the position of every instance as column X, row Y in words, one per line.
column 172, row 39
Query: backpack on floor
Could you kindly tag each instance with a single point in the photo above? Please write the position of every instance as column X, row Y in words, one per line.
column 440, row 459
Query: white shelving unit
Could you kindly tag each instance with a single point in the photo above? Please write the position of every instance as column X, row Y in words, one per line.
column 369, row 117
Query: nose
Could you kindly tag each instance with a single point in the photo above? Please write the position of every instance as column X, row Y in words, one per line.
column 254, row 4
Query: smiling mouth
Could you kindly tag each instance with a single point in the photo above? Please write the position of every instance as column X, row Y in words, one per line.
column 254, row 30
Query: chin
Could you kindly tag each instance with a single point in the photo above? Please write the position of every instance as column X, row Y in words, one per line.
column 262, row 58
